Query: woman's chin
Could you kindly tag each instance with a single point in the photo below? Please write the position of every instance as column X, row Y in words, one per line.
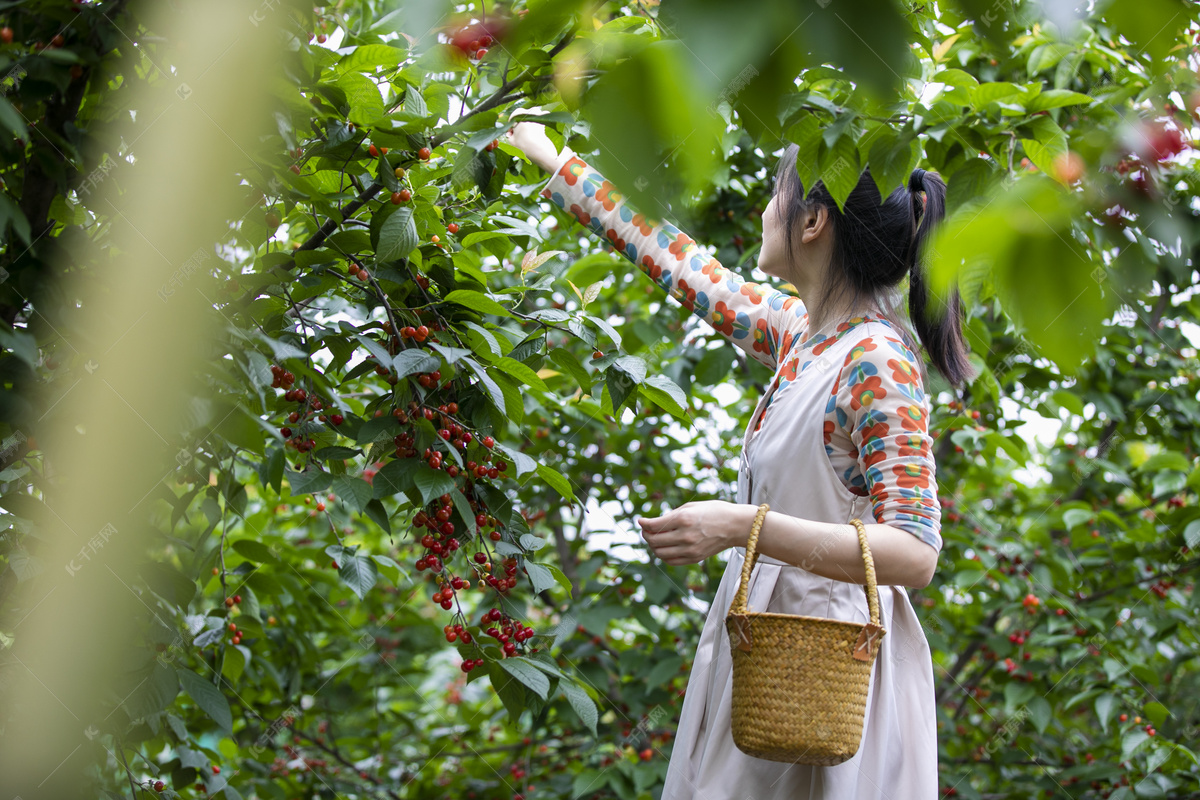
column 764, row 267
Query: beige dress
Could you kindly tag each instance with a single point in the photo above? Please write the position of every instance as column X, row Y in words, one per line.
column 784, row 463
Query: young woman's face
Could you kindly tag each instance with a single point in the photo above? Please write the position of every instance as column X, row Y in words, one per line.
column 773, row 256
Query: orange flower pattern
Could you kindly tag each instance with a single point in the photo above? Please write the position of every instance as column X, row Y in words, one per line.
column 875, row 425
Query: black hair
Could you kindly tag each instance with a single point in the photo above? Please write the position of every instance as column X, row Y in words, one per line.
column 875, row 246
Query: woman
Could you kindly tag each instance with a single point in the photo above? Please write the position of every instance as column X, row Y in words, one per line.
column 841, row 433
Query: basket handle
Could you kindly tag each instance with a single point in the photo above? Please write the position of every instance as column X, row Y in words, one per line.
column 740, row 599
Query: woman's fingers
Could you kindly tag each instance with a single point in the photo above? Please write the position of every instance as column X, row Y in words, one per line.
column 657, row 524
column 669, row 538
column 674, row 556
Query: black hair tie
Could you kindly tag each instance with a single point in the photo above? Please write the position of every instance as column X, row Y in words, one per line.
column 916, row 183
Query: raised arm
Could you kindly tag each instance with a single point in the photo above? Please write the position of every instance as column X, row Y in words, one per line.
column 758, row 318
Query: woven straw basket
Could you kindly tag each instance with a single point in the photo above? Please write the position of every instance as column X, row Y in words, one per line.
column 800, row 683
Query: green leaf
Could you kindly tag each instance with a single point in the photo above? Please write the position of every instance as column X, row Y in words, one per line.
column 310, row 481
column 665, row 393
column 581, row 704
column 337, row 453
column 666, row 668
column 488, row 337
column 557, row 481
column 357, row 570
column 431, row 482
column 398, row 236
column 1074, row 517
column 1040, row 712
column 1191, row 534
column 1056, row 98
column 464, row 509
column 620, row 386
column 11, row 118
column 153, row 694
column 1047, row 143
column 840, row 169
column 22, row 344
column 570, row 364
column 605, row 328
column 369, row 57
column 366, row 103
column 208, row 697
column 353, row 490
column 544, row 576
column 973, row 181
column 254, row 550
column 477, row 301
column 451, row 354
column 414, row 360
column 378, row 514
column 493, row 388
column 521, row 462
column 1156, row 712
column 985, row 94
column 892, row 158
column 1132, row 740
column 529, row 675
column 520, row 371
column 806, row 135
column 471, row 168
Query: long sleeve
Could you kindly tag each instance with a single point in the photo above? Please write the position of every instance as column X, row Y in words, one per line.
column 759, row 319
column 877, row 435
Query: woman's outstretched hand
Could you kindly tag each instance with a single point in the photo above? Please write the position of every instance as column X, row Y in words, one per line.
column 531, row 139
column 697, row 530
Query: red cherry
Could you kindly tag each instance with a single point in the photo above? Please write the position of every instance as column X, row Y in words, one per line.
column 158, row 785
column 374, row 151
column 6, row 36
column 488, row 442
column 423, row 332
column 494, row 536
column 452, row 227
column 404, row 194
column 216, row 770
column 423, row 154
column 480, row 53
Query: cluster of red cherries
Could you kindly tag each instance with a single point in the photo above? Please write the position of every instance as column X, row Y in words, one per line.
column 310, row 405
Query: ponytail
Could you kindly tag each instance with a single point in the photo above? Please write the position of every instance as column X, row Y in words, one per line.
column 940, row 329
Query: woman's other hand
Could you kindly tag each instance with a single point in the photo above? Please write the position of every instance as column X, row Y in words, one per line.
column 697, row 530
column 531, row 139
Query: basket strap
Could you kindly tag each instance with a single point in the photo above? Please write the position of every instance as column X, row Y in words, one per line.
column 871, row 588
column 739, row 599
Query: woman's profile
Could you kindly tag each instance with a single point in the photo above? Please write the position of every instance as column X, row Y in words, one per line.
column 840, row 433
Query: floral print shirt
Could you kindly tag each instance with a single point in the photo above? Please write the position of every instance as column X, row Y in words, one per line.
column 876, row 421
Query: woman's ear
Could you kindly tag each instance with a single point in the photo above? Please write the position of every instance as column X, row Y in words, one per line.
column 814, row 222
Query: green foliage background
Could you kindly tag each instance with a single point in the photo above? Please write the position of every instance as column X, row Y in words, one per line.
column 1078, row 273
